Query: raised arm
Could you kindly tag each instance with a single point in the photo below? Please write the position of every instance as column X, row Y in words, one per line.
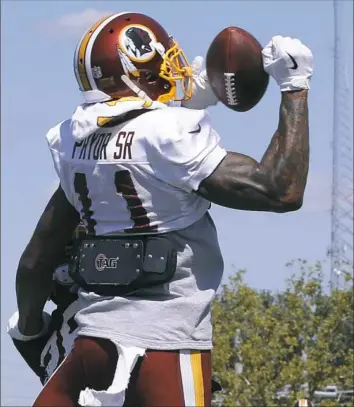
column 278, row 181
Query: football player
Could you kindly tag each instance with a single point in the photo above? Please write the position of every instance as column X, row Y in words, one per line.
column 141, row 173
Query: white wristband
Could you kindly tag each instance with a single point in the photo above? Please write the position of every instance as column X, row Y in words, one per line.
column 14, row 332
column 301, row 83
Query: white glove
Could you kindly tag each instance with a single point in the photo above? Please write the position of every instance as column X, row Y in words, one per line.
column 289, row 62
column 203, row 95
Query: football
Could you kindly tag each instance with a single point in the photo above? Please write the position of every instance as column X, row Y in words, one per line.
column 235, row 69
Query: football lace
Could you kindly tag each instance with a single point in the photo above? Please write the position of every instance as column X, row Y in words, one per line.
column 230, row 89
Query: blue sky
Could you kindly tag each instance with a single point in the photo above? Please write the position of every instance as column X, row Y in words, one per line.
column 38, row 89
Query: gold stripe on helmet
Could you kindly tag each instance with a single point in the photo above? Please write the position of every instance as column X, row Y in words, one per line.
column 81, row 55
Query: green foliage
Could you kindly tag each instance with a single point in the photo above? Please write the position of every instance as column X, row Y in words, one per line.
column 300, row 336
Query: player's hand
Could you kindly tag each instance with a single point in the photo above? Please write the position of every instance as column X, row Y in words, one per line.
column 203, row 95
column 31, row 352
column 289, row 62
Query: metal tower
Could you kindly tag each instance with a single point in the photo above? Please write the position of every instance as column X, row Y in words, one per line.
column 341, row 251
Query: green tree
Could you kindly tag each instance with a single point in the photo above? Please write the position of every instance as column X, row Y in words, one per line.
column 300, row 336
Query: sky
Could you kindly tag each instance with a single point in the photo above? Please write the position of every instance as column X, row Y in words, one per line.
column 38, row 89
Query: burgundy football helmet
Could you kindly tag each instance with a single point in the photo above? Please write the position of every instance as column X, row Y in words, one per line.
column 131, row 55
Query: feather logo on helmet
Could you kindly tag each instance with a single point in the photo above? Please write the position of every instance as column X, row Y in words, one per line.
column 136, row 42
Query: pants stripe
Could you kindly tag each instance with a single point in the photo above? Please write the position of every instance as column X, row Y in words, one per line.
column 192, row 378
column 196, row 361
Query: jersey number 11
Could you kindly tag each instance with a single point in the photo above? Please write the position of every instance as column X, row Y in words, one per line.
column 124, row 186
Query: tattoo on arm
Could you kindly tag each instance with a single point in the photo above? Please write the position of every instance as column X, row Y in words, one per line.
column 278, row 181
column 287, row 156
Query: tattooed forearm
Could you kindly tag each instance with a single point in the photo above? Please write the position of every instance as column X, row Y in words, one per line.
column 278, row 181
column 287, row 156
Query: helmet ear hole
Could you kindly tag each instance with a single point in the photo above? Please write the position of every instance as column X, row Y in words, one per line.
column 151, row 77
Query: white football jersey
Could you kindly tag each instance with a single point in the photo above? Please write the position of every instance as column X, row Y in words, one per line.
column 138, row 176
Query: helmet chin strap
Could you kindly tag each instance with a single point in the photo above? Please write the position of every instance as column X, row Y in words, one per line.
column 141, row 94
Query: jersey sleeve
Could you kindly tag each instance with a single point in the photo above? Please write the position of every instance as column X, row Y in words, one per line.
column 53, row 140
column 188, row 151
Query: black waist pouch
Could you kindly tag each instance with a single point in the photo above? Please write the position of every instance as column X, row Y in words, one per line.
column 115, row 266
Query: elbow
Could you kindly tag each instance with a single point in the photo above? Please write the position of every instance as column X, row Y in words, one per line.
column 29, row 269
column 25, row 271
column 33, row 266
column 32, row 275
column 28, row 263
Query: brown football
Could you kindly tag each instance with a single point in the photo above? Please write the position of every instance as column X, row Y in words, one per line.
column 235, row 69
